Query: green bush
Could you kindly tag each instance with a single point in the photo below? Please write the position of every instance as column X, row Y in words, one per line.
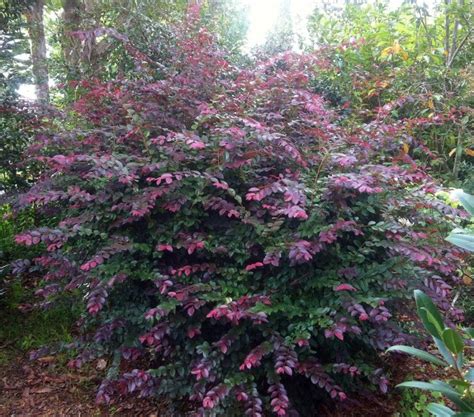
column 18, row 126
column 10, row 225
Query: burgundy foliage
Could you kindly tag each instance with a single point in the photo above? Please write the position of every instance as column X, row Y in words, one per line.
column 229, row 234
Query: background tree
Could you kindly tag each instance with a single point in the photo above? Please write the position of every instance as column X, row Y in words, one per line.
column 82, row 50
column 414, row 51
column 34, row 16
column 13, row 43
column 282, row 37
column 17, row 121
column 71, row 46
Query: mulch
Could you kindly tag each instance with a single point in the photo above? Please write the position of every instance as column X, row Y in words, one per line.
column 48, row 389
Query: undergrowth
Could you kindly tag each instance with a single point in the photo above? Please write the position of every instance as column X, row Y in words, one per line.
column 25, row 330
column 413, row 403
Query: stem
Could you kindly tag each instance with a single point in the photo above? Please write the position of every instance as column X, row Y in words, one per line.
column 323, row 161
column 446, row 30
column 457, row 159
column 455, row 39
column 456, row 52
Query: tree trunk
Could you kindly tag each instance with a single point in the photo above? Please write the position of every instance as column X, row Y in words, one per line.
column 447, row 34
column 34, row 17
column 72, row 48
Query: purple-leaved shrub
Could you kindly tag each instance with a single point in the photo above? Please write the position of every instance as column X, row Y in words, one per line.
column 230, row 236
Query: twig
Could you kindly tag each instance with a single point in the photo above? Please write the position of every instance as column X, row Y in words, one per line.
column 454, row 54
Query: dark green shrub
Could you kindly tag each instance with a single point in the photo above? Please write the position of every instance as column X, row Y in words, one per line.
column 10, row 225
column 18, row 126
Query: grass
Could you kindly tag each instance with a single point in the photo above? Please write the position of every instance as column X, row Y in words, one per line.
column 25, row 331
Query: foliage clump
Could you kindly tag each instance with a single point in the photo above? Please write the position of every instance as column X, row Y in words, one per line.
column 18, row 125
column 231, row 238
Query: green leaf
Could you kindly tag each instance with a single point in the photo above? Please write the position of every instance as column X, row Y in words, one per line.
column 467, row 200
column 429, row 326
column 462, row 239
column 459, row 384
column 456, row 398
column 453, row 341
column 470, row 332
column 429, row 386
column 417, row 353
column 469, row 376
column 443, row 388
column 439, row 410
column 448, row 357
column 432, row 321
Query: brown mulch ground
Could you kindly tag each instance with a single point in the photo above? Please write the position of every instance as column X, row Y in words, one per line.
column 48, row 389
column 376, row 404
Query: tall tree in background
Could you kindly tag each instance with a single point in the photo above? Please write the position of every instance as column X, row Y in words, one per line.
column 81, row 51
column 13, row 45
column 458, row 28
column 282, row 37
column 16, row 121
column 34, row 17
column 91, row 34
column 71, row 45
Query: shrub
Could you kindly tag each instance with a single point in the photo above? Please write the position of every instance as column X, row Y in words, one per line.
column 10, row 225
column 18, row 124
column 377, row 64
column 231, row 239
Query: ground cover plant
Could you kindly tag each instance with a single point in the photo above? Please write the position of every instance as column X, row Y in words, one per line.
column 452, row 345
column 234, row 242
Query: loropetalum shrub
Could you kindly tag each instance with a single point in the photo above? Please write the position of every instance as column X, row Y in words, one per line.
column 231, row 239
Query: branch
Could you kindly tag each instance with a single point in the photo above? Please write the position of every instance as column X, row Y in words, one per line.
column 446, row 29
column 138, row 56
column 455, row 53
